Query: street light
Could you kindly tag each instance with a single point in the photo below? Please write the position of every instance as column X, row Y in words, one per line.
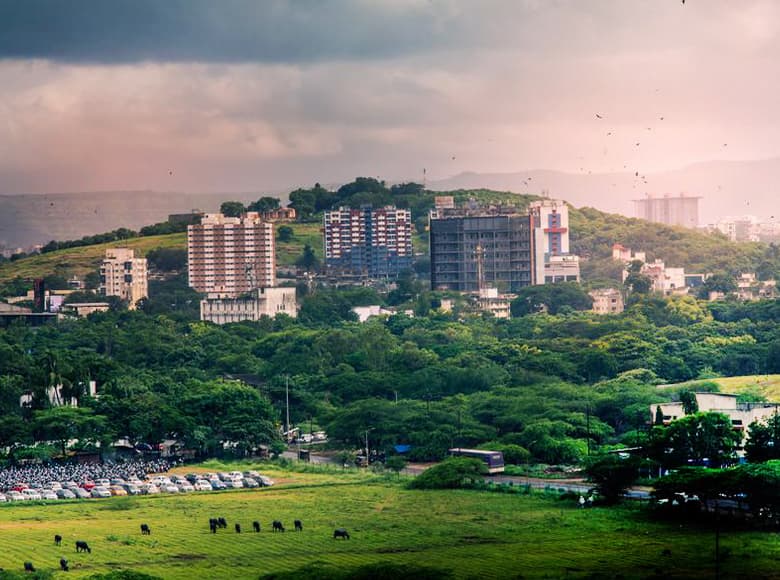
column 367, row 430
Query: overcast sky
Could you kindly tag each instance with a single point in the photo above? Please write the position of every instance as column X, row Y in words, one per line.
column 239, row 95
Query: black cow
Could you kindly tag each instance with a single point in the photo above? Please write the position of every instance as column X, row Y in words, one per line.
column 277, row 526
column 238, row 528
column 63, row 564
column 213, row 526
column 57, row 539
column 340, row 533
column 145, row 530
column 82, row 546
column 222, row 522
column 256, row 526
column 28, row 567
column 298, row 526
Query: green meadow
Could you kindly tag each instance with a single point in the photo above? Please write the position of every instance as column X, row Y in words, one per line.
column 471, row 534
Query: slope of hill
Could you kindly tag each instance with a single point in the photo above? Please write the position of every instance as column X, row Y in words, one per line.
column 767, row 386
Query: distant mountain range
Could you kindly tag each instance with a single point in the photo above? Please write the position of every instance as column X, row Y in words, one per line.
column 39, row 218
column 726, row 188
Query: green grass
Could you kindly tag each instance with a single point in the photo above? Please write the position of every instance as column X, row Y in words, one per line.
column 766, row 385
column 473, row 534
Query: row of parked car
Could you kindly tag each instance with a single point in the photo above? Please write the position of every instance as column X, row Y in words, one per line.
column 133, row 486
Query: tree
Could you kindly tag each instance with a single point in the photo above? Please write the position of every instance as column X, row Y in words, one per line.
column 167, row 259
column 636, row 282
column 232, row 208
column 395, row 463
column 718, row 282
column 308, row 260
column 65, row 423
column 763, row 443
column 452, row 473
column 284, row 233
column 550, row 297
column 612, row 475
column 699, row 439
column 689, row 403
column 264, row 204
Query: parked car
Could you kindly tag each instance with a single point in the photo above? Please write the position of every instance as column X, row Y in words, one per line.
column 14, row 495
column 202, row 485
column 102, row 482
column 217, row 485
column 54, row 485
column 192, row 477
column 19, row 486
column 250, row 482
column 265, row 481
column 185, row 487
column 100, row 491
column 169, row 488
column 233, row 483
column 251, row 473
column 81, row 493
column 31, row 494
column 223, row 476
column 88, row 485
column 149, row 489
column 64, row 493
column 117, row 490
column 3, row 498
column 48, row 494
column 131, row 489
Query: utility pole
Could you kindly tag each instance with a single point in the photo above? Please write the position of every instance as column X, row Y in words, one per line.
column 366, row 432
column 287, row 401
column 587, row 423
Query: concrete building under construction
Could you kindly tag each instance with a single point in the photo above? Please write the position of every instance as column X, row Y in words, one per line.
column 682, row 210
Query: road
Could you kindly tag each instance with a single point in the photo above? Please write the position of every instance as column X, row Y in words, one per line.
column 567, row 485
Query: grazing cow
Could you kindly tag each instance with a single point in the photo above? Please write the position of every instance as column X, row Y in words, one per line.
column 256, row 526
column 238, row 528
column 145, row 530
column 28, row 567
column 213, row 526
column 277, row 526
column 222, row 522
column 63, row 564
column 82, row 546
column 298, row 526
column 340, row 533
column 57, row 539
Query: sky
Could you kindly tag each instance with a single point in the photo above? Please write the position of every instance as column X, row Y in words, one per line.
column 240, row 95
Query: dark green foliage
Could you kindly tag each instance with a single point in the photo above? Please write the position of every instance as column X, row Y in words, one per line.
column 551, row 298
column 308, row 260
column 452, row 473
column 232, row 208
column 612, row 475
column 264, row 204
column 167, row 259
column 123, row 575
column 718, row 282
column 763, row 442
column 689, row 403
column 113, row 236
column 694, row 439
column 284, row 233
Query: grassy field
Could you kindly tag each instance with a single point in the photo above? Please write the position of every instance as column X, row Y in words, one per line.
column 765, row 385
column 472, row 534
column 80, row 261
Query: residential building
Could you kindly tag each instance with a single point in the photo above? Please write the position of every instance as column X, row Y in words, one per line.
column 607, row 301
column 741, row 414
column 625, row 255
column 124, row 275
column 553, row 260
column 367, row 243
column 84, row 309
column 224, row 309
column 475, row 248
column 665, row 280
column 751, row 288
column 682, row 210
column 281, row 214
column 489, row 300
column 231, row 255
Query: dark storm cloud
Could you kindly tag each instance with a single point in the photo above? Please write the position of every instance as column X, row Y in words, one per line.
column 125, row 31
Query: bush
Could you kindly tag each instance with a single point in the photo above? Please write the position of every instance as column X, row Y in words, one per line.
column 377, row 571
column 452, row 473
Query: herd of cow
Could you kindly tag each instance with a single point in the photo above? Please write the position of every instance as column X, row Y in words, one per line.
column 214, row 525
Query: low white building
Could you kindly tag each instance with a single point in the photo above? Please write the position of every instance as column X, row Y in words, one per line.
column 741, row 414
column 221, row 309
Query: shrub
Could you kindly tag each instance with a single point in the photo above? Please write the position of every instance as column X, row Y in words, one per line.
column 452, row 473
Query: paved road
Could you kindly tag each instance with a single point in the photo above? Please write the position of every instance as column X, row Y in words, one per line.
column 572, row 485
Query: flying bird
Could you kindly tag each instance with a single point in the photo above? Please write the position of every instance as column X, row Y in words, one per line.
column 610, row 133
column 662, row 118
column 637, row 144
column 636, row 174
column 599, row 116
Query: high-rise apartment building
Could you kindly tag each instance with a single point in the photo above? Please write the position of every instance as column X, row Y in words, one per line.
column 474, row 249
column 230, row 255
column 124, row 275
column 368, row 243
column 553, row 261
column 672, row 211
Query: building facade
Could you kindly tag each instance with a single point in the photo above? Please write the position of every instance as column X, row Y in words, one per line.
column 682, row 210
column 607, row 301
column 554, row 261
column 472, row 251
column 231, row 256
column 124, row 275
column 270, row 302
column 368, row 243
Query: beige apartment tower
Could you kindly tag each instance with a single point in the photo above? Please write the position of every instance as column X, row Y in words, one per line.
column 231, row 256
column 124, row 275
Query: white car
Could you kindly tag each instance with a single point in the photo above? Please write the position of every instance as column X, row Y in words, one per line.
column 14, row 496
column 3, row 498
column 233, row 483
column 48, row 494
column 169, row 488
column 149, row 489
column 185, row 487
column 102, row 482
column 100, row 491
column 235, row 475
column 31, row 494
column 55, row 485
column 202, row 485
